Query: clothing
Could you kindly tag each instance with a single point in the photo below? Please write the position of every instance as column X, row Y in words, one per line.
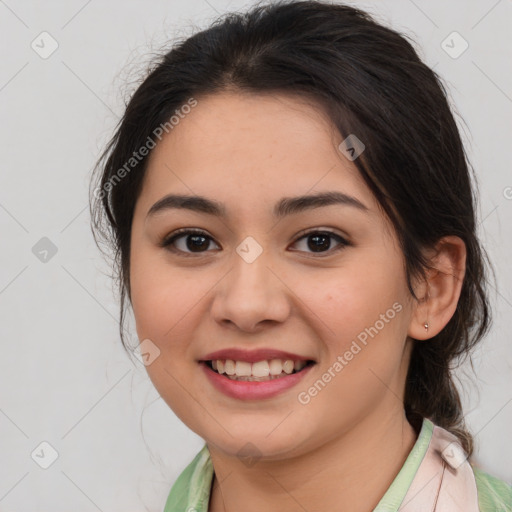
column 435, row 463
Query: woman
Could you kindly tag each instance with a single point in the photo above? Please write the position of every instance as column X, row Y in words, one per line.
column 293, row 219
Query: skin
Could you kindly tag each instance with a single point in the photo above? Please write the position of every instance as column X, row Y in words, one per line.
column 349, row 442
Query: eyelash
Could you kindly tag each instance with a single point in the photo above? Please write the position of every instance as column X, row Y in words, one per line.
column 180, row 233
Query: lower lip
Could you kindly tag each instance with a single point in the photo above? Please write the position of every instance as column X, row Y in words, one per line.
column 246, row 390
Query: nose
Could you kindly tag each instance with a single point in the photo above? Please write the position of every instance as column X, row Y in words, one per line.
column 251, row 295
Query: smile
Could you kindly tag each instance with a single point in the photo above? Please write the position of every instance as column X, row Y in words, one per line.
column 254, row 381
column 259, row 371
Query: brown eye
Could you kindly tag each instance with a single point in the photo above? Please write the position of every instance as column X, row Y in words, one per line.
column 195, row 241
column 320, row 241
column 190, row 241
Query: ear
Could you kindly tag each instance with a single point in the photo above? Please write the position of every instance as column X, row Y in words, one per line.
column 439, row 295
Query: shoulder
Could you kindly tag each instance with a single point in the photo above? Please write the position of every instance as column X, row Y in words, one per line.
column 493, row 494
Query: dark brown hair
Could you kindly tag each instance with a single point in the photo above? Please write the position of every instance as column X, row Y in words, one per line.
column 370, row 82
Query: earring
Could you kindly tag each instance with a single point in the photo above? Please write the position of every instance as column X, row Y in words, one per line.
column 426, row 322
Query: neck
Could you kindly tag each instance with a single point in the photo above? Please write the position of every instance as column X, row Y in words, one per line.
column 354, row 470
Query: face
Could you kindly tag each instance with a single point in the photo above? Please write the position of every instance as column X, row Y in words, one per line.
column 323, row 282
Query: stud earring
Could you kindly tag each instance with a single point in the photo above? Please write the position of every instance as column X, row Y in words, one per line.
column 426, row 300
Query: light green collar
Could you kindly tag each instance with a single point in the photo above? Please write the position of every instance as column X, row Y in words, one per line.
column 191, row 491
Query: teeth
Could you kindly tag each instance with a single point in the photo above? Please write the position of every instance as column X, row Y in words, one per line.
column 288, row 366
column 243, row 369
column 229, row 367
column 254, row 379
column 276, row 367
column 260, row 369
column 263, row 370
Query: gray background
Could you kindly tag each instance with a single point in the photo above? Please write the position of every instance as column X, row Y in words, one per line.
column 64, row 377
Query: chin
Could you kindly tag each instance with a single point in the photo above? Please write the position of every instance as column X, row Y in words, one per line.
column 256, row 444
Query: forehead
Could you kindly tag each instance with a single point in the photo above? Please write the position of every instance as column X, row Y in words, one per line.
column 252, row 149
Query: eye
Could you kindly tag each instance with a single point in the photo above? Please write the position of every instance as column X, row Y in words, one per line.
column 320, row 240
column 195, row 241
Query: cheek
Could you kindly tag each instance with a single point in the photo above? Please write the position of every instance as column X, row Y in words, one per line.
column 155, row 294
column 363, row 321
column 166, row 299
column 354, row 298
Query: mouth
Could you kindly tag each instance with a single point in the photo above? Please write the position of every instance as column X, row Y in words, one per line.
column 259, row 371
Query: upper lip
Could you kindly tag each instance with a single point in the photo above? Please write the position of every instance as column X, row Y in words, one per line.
column 253, row 356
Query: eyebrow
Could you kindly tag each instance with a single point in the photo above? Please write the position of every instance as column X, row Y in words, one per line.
column 284, row 207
